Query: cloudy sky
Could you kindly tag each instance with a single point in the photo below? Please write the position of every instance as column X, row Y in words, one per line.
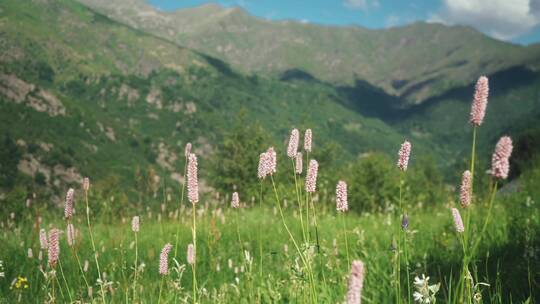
column 512, row 20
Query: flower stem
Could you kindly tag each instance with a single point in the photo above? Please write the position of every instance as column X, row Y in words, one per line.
column 306, row 264
column 346, row 239
column 136, row 268
column 94, row 247
column 179, row 206
column 299, row 201
column 194, row 266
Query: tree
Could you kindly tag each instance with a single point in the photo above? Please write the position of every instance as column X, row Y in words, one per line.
column 236, row 160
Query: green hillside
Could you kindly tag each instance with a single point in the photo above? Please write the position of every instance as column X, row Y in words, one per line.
column 82, row 95
column 414, row 62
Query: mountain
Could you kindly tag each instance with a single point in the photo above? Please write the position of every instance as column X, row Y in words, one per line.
column 414, row 62
column 83, row 95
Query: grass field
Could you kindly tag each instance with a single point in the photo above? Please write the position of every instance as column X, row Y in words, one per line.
column 229, row 268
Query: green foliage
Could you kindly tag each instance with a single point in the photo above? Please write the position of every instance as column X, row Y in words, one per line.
column 234, row 164
column 10, row 154
column 373, row 186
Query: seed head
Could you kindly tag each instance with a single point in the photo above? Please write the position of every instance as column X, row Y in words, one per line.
column 192, row 179
column 341, row 197
column 480, row 99
column 311, row 178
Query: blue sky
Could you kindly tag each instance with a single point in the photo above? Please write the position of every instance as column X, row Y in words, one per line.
column 512, row 20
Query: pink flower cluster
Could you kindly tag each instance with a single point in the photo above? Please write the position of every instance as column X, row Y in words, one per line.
column 341, row 197
column 465, row 189
column 500, row 161
column 458, row 222
column 293, row 143
column 235, row 202
column 192, row 179
column 311, row 178
column 135, row 224
column 54, row 246
column 403, row 156
column 356, row 282
column 307, row 140
column 267, row 163
column 480, row 99
column 164, row 259
column 68, row 210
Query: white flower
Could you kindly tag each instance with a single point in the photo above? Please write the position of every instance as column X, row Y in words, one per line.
column 418, row 297
column 421, row 281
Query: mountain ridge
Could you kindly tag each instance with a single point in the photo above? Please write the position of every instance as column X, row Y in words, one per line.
column 413, row 62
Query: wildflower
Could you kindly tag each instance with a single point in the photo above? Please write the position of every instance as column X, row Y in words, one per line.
column 307, row 140
column 425, row 293
column 86, row 184
column 341, row 197
column 68, row 211
column 465, row 189
column 292, row 148
column 403, row 156
column 192, row 180
column 480, row 99
column 43, row 243
column 405, row 222
column 191, row 254
column 298, row 164
column 135, row 224
column 271, row 161
column 54, row 247
column 262, row 171
column 458, row 223
column 500, row 163
column 70, row 234
column 311, row 178
column 235, row 203
column 163, row 259
column 20, row 283
column 30, row 253
column 85, row 267
column 187, row 150
column 356, row 282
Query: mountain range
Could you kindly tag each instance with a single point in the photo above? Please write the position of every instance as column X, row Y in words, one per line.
column 114, row 89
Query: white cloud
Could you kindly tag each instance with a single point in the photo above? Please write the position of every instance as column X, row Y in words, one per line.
column 392, row 20
column 502, row 19
column 361, row 4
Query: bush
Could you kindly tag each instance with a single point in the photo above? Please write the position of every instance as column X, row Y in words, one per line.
column 373, row 184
